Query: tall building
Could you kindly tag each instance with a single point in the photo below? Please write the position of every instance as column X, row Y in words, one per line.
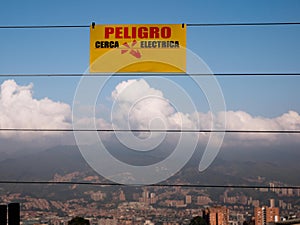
column 14, row 214
column 3, row 214
column 216, row 215
column 272, row 203
column 122, row 196
column 188, row 199
column 265, row 214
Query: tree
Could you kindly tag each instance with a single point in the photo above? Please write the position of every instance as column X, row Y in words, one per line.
column 79, row 221
column 198, row 220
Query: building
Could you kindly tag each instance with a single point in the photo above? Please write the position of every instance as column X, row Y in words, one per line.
column 122, row 196
column 3, row 214
column 203, row 200
column 188, row 199
column 216, row 215
column 264, row 215
column 236, row 218
column 14, row 214
column 10, row 214
column 289, row 222
column 272, row 203
column 153, row 198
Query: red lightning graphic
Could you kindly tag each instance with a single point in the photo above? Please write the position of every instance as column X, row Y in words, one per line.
column 133, row 52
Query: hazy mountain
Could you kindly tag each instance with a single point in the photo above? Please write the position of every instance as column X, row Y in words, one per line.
column 232, row 166
column 43, row 165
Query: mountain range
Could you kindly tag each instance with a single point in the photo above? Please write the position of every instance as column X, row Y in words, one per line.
column 232, row 166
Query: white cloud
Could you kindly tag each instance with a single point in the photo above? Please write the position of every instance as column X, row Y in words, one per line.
column 19, row 109
column 239, row 120
column 139, row 106
column 133, row 90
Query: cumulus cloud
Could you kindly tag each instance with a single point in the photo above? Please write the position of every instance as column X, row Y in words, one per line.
column 136, row 105
column 139, row 106
column 19, row 109
column 239, row 120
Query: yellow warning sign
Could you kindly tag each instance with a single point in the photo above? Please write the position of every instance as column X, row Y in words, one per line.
column 138, row 48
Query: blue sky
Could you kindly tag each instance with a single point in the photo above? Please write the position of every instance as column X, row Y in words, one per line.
column 224, row 49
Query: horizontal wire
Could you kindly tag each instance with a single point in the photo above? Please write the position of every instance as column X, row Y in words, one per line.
column 146, row 74
column 43, row 26
column 243, row 24
column 188, row 25
column 151, row 130
column 149, row 185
